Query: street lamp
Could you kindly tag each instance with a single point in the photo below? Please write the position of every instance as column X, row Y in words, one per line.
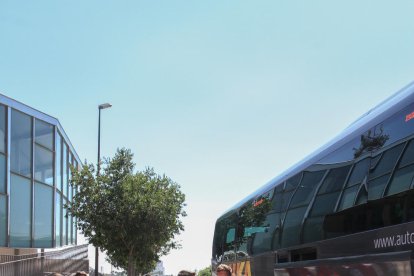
column 100, row 107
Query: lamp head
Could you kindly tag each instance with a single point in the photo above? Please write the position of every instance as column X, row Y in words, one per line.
column 105, row 105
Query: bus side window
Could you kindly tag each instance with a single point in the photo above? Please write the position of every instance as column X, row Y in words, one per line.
column 231, row 233
column 358, row 174
column 379, row 176
column 325, row 202
column 224, row 239
column 252, row 224
column 229, row 245
column 404, row 174
column 299, row 204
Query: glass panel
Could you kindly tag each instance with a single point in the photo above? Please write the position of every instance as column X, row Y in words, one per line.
column 252, row 220
column 387, row 162
column 262, row 240
column 279, row 188
column 59, row 162
column 229, row 245
column 401, row 180
column 324, row 204
column 305, row 191
column 359, row 171
column 408, row 156
column 21, row 144
column 292, row 226
column 3, row 220
column 74, row 231
column 285, row 200
column 65, row 170
column 344, row 153
column 376, row 187
column 335, row 180
column 43, row 213
column 44, row 134
column 293, row 182
column 58, row 215
column 224, row 239
column 2, row 174
column 70, row 230
column 362, row 197
column 348, row 197
column 43, row 165
column 374, row 161
column 70, row 178
column 20, row 211
column 313, row 229
column 275, row 244
column 277, row 202
column 65, row 224
column 2, row 129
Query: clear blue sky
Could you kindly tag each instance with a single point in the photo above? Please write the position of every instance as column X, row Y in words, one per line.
column 220, row 95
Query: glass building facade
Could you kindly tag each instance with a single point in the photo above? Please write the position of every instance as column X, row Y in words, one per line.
column 36, row 157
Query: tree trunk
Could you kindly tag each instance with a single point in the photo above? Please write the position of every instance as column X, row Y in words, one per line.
column 131, row 264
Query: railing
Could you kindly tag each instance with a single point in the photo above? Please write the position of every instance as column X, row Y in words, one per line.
column 65, row 261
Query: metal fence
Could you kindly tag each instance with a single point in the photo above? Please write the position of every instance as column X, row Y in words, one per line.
column 65, row 261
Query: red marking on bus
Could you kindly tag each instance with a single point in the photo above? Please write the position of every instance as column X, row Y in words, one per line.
column 409, row 116
column 257, row 203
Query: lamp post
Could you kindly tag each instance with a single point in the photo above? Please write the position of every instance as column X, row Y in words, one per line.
column 100, row 107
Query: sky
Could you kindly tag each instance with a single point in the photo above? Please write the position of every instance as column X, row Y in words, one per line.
column 221, row 96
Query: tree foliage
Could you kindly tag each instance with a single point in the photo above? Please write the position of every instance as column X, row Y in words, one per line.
column 205, row 272
column 134, row 217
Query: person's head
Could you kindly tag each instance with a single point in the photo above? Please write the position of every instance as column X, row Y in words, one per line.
column 186, row 273
column 223, row 270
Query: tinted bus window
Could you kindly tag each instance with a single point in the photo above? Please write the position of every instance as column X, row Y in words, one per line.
column 293, row 182
column 387, row 162
column 253, row 221
column 359, row 171
column 375, row 214
column 285, row 200
column 306, row 189
column 408, row 157
column 402, row 180
column 358, row 174
column 403, row 176
column 277, row 202
column 380, row 175
column 292, row 226
column 262, row 240
column 343, row 154
column 348, row 197
column 224, row 239
column 325, row 203
column 334, row 180
column 313, row 229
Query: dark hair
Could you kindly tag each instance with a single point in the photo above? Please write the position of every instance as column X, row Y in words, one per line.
column 186, row 273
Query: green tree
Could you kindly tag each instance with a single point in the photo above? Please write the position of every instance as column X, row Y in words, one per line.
column 205, row 272
column 134, row 217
